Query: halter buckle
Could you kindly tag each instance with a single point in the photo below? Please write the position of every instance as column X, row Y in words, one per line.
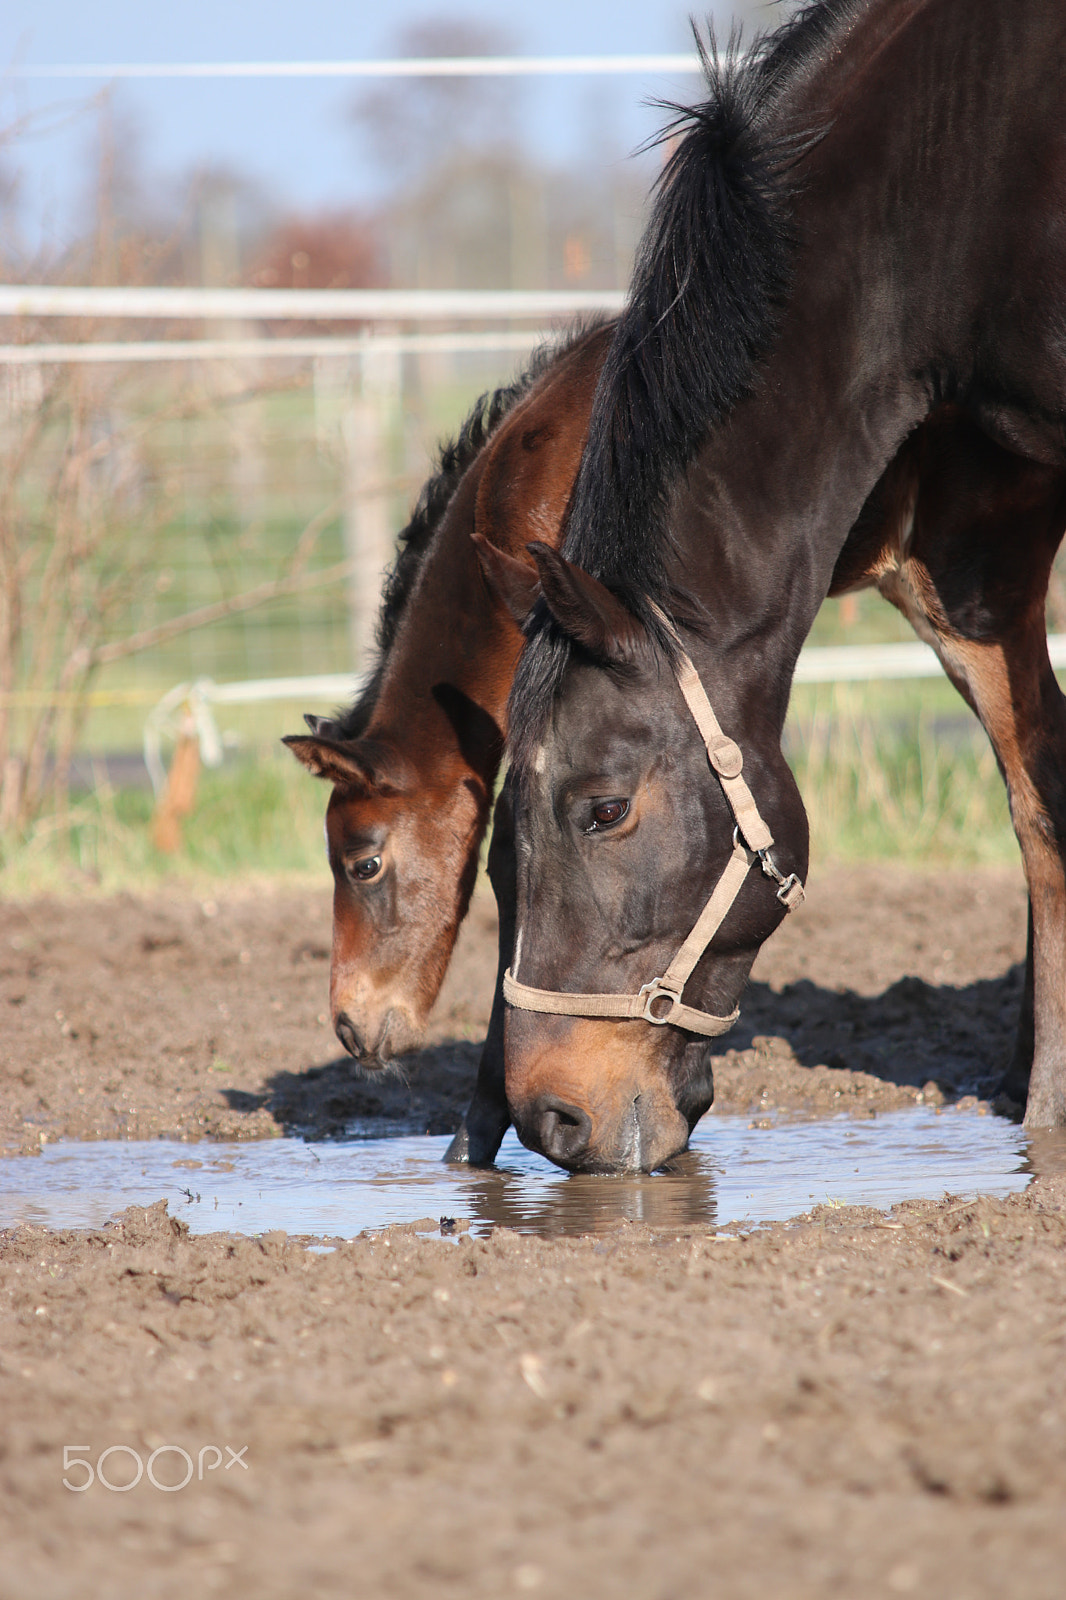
column 790, row 889
column 657, row 990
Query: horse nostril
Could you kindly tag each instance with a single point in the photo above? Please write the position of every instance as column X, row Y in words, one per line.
column 563, row 1131
column 345, row 1031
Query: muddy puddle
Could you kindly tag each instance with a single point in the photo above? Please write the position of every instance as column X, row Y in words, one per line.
column 734, row 1172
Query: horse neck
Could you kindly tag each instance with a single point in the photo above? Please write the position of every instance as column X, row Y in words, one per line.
column 455, row 637
column 447, row 635
column 880, row 322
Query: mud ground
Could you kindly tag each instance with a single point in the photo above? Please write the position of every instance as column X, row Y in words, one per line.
column 131, row 1018
column 851, row 1404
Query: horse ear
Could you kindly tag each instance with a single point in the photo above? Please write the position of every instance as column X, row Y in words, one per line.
column 329, row 758
column 514, row 583
column 362, row 767
column 586, row 610
column 322, row 727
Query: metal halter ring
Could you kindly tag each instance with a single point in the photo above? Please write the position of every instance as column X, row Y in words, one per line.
column 656, row 990
column 786, row 887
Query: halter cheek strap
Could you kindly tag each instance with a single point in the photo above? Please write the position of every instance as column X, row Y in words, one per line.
column 660, row 1000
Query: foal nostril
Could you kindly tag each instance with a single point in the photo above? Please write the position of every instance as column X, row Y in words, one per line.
column 563, row 1131
column 345, row 1031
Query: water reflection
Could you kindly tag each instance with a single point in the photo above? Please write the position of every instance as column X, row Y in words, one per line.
column 1046, row 1152
column 734, row 1172
column 678, row 1198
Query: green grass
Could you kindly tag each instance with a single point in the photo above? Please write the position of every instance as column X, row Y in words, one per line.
column 258, row 817
column 883, row 776
column 897, row 771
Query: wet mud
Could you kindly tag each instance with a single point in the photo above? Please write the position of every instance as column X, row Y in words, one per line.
column 856, row 1402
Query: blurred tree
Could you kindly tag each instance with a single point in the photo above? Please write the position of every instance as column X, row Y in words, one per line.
column 10, row 196
column 333, row 250
column 412, row 126
column 231, row 213
column 468, row 205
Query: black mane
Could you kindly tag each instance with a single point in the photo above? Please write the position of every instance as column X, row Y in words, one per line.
column 416, row 539
column 711, row 276
column 711, row 273
column 794, row 47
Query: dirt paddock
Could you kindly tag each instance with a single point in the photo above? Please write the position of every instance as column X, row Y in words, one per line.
column 848, row 1404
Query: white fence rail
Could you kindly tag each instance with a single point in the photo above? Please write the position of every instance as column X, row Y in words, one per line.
column 858, row 662
column 403, row 67
column 186, row 708
column 389, row 306
column 303, row 305
column 378, row 344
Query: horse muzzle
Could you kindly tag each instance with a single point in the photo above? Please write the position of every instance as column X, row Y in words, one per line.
column 581, row 1099
column 375, row 1037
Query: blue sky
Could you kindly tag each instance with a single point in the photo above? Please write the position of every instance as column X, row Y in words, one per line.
column 296, row 136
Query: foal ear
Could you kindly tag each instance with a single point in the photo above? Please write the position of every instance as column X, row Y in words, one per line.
column 514, row 583
column 586, row 610
column 361, row 767
column 325, row 758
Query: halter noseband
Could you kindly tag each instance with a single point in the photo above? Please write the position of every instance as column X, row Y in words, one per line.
column 660, row 1000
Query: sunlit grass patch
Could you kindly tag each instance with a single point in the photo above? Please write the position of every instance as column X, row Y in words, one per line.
column 259, row 816
column 897, row 777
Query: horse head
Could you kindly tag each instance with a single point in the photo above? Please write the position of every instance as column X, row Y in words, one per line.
column 413, row 764
column 380, row 823
column 626, row 824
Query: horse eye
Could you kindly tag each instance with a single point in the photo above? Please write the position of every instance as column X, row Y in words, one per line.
column 608, row 812
column 367, row 869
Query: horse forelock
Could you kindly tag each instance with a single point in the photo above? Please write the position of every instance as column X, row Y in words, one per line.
column 415, row 541
column 549, row 651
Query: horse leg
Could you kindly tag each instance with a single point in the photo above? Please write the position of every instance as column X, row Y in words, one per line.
column 487, row 1119
column 1015, row 1081
column 1024, row 713
column 973, row 580
column 1015, row 1084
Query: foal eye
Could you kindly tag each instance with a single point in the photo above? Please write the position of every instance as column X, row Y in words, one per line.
column 607, row 813
column 367, row 869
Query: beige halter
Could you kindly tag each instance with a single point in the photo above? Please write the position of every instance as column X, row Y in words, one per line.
column 752, row 841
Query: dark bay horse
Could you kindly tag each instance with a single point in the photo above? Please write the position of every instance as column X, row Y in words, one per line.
column 414, row 762
column 851, row 289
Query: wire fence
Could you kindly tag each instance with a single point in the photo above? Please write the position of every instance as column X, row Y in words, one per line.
column 241, row 443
